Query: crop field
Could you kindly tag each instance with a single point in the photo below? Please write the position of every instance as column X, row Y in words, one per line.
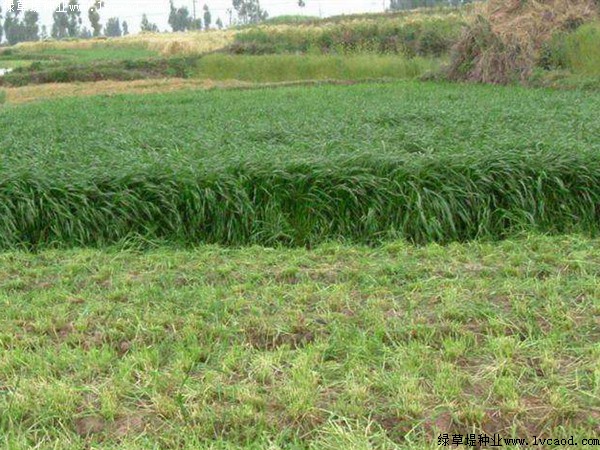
column 305, row 234
column 385, row 46
column 295, row 166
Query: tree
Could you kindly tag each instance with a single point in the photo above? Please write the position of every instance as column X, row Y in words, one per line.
column 148, row 27
column 179, row 18
column 94, row 17
column 125, row 28
column 11, row 31
column 44, row 33
column 1, row 28
column 73, row 12
column 219, row 23
column 30, row 26
column 207, row 17
column 195, row 24
column 20, row 30
column 85, row 33
column 60, row 24
column 66, row 20
column 301, row 3
column 249, row 11
column 113, row 27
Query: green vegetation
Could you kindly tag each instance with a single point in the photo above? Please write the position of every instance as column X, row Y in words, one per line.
column 274, row 68
column 124, row 326
column 419, row 14
column 570, row 60
column 291, row 20
column 88, row 52
column 265, row 68
column 13, row 63
column 298, row 166
column 430, row 36
column 337, row 347
column 98, row 52
column 64, row 72
column 409, row 45
column 583, row 50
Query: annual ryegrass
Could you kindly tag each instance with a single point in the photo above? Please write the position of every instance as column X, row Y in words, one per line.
column 337, row 347
column 278, row 68
column 297, row 166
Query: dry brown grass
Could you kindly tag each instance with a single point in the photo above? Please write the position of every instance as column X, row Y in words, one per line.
column 535, row 20
column 167, row 44
column 30, row 93
column 502, row 42
column 35, row 46
column 49, row 91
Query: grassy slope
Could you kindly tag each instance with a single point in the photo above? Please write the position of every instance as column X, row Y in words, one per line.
column 424, row 161
column 339, row 347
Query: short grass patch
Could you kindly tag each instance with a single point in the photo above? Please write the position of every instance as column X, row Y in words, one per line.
column 337, row 347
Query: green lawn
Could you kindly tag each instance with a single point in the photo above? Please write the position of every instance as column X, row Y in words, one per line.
column 336, row 347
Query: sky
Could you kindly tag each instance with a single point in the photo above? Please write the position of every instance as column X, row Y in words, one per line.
column 158, row 10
